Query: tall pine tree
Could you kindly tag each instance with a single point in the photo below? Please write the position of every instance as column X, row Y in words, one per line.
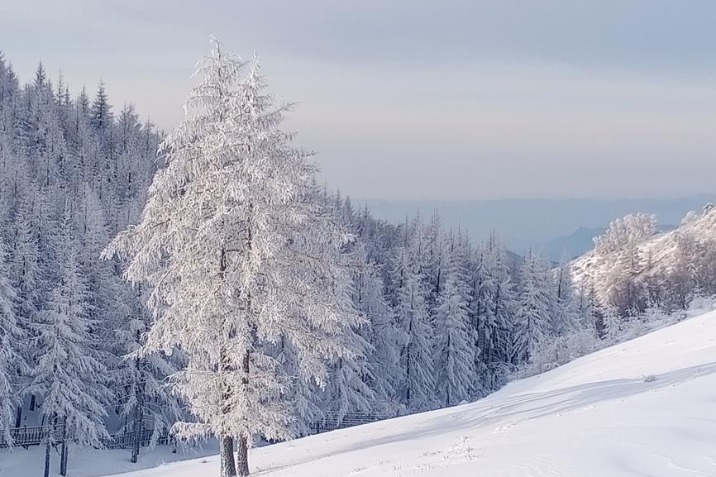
column 239, row 254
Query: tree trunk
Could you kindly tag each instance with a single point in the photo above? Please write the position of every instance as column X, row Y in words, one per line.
column 63, row 455
column 226, row 442
column 243, row 447
column 138, row 431
column 242, row 456
column 47, row 457
column 138, row 425
column 18, row 416
column 63, row 458
column 228, row 465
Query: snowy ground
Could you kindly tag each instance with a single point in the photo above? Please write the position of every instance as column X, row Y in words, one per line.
column 642, row 408
column 85, row 462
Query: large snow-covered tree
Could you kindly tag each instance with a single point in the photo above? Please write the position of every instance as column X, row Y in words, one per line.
column 239, row 254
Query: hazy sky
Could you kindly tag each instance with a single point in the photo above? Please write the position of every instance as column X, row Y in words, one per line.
column 439, row 99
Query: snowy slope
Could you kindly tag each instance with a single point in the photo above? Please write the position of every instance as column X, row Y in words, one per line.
column 663, row 254
column 645, row 407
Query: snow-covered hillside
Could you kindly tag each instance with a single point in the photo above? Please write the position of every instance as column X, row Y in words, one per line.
column 645, row 407
column 664, row 269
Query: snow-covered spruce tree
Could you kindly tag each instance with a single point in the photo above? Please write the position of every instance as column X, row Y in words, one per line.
column 67, row 375
column 455, row 356
column 11, row 359
column 480, row 308
column 120, row 322
column 360, row 386
column 432, row 261
column 533, row 322
column 565, row 316
column 417, row 388
column 25, row 274
column 304, row 395
column 504, row 311
column 348, row 390
column 493, row 305
column 238, row 255
column 147, row 403
column 381, row 332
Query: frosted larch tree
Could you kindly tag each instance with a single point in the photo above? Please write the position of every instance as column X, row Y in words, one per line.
column 239, row 256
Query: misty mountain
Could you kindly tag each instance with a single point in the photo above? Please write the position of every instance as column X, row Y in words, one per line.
column 573, row 245
column 552, row 225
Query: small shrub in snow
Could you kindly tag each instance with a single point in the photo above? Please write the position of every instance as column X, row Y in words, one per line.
column 649, row 378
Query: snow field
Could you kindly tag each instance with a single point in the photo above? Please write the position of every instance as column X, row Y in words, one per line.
column 645, row 407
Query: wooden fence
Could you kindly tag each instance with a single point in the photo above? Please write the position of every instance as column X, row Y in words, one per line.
column 333, row 421
column 33, row 436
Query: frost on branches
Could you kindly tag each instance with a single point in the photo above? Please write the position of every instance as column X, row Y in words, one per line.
column 532, row 325
column 67, row 373
column 455, row 357
column 239, row 256
column 10, row 354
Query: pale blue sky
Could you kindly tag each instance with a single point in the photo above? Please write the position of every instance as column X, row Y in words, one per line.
column 449, row 99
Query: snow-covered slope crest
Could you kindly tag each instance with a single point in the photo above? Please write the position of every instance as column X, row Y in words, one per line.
column 645, row 407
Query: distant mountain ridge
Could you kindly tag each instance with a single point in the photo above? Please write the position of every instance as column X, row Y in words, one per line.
column 573, row 245
column 551, row 225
